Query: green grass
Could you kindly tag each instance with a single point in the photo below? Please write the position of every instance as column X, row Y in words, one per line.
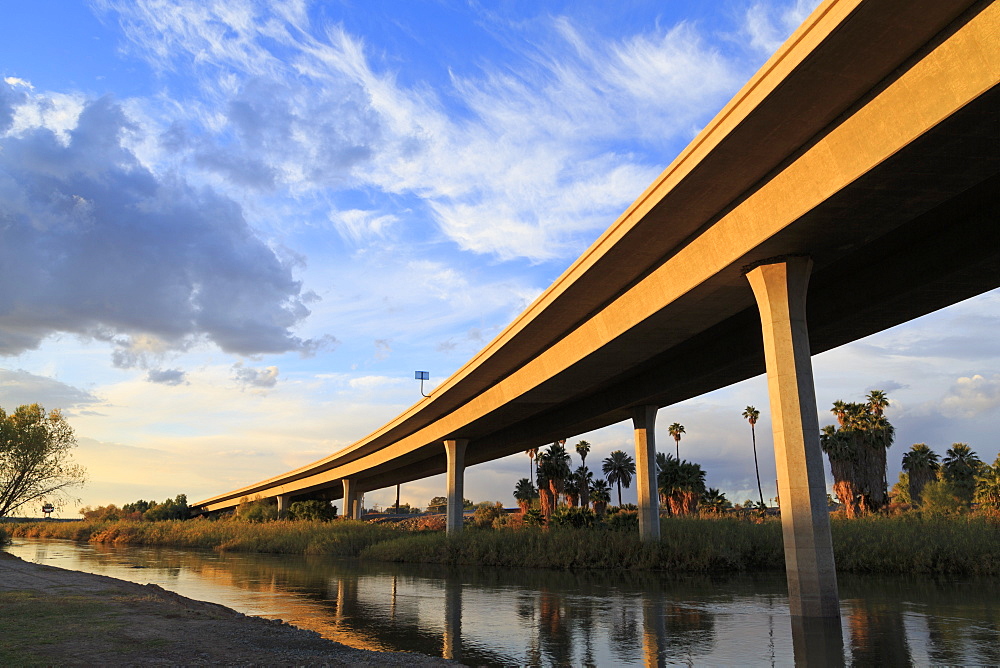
column 962, row 545
column 30, row 622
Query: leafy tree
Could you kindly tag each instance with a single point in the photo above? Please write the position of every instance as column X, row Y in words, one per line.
column 314, row 510
column 524, row 494
column 751, row 415
column 600, row 496
column 171, row 509
column 437, row 505
column 941, row 497
column 857, row 453
column 675, row 430
column 921, row 467
column 900, row 492
column 35, row 457
column 257, row 510
column 619, row 468
column 961, row 464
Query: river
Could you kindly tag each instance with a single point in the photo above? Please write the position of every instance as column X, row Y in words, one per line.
column 490, row 616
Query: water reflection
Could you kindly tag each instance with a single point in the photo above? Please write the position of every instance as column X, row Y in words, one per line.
column 504, row 616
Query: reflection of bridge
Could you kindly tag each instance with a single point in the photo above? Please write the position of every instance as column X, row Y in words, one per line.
column 859, row 168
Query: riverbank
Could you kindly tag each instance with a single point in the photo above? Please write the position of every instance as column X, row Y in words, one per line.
column 51, row 616
column 905, row 544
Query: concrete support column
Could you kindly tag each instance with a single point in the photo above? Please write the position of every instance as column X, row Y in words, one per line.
column 455, row 450
column 643, row 419
column 283, row 502
column 780, row 288
column 352, row 505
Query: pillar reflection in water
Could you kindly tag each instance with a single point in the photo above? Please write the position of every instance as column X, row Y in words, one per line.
column 452, row 648
column 817, row 641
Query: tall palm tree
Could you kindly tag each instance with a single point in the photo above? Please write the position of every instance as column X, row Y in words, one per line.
column 921, row 467
column 532, row 453
column 524, row 493
column 619, row 469
column 600, row 495
column 682, row 483
column 961, row 464
column 555, row 462
column 752, row 415
column 583, row 449
column 676, row 429
column 580, row 482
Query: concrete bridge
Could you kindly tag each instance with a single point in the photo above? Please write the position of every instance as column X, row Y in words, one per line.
column 852, row 183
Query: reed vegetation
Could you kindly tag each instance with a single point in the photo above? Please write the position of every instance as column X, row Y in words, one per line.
column 342, row 538
column 909, row 543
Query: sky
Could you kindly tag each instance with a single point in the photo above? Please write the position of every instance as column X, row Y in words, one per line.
column 230, row 231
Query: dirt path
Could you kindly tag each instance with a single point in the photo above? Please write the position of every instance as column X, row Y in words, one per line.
column 51, row 616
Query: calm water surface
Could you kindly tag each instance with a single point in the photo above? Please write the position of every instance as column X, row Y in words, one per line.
column 489, row 616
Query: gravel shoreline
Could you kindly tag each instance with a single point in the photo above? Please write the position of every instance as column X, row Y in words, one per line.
column 53, row 616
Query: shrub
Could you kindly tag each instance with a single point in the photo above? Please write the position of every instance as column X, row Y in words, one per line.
column 486, row 514
column 314, row 510
column 578, row 518
column 941, row 497
column 623, row 520
column 4, row 538
column 258, row 510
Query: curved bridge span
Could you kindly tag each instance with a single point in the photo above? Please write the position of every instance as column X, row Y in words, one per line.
column 867, row 149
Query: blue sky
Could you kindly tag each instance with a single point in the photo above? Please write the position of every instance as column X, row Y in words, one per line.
column 232, row 230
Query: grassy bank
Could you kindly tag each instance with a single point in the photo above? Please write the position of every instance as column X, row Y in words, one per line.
column 967, row 545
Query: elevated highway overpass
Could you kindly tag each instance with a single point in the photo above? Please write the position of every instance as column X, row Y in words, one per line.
column 851, row 184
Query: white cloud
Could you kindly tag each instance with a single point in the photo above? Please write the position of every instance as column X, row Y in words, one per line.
column 972, row 396
column 768, row 26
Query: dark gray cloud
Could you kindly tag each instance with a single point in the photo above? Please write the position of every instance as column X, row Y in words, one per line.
column 98, row 245
column 167, row 376
column 18, row 387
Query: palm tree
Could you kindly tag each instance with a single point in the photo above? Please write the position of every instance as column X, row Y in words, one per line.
column 577, row 486
column 532, row 453
column 715, row 501
column 682, row 483
column 921, row 467
column 961, row 464
column 988, row 484
column 675, row 430
column 524, row 493
column 583, row 449
column 857, row 453
column 600, row 495
column 555, row 462
column 619, row 469
column 877, row 402
column 752, row 415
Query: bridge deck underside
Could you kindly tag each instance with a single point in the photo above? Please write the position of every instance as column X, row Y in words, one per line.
column 914, row 231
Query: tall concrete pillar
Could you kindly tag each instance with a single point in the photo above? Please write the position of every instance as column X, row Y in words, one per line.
column 643, row 419
column 283, row 503
column 780, row 288
column 455, row 450
column 352, row 505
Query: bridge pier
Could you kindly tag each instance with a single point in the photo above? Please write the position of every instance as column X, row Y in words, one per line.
column 780, row 287
column 352, row 507
column 283, row 503
column 455, row 451
column 643, row 420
